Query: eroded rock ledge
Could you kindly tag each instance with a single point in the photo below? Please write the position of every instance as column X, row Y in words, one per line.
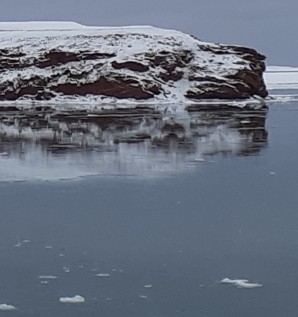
column 141, row 63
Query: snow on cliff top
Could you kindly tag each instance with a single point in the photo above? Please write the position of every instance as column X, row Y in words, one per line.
column 35, row 37
column 40, row 25
column 48, row 26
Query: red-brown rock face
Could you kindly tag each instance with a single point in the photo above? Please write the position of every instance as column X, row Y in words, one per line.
column 135, row 64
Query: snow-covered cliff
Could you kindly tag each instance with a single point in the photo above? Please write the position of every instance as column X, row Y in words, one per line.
column 68, row 62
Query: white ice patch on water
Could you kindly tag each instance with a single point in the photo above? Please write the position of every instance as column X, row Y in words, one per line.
column 148, row 286
column 103, row 275
column 48, row 277
column 72, row 300
column 6, row 307
column 281, row 77
column 240, row 283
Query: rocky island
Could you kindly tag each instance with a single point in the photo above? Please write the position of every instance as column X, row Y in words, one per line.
column 68, row 62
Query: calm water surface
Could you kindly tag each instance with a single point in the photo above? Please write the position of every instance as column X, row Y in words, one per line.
column 178, row 233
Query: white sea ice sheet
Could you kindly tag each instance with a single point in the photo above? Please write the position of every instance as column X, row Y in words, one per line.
column 7, row 307
column 240, row 283
column 72, row 300
column 281, row 77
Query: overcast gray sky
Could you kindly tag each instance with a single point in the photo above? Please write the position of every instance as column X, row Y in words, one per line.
column 269, row 25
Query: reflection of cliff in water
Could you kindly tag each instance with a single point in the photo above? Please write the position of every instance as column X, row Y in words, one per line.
column 42, row 142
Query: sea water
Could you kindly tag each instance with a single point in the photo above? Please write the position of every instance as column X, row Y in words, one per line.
column 119, row 244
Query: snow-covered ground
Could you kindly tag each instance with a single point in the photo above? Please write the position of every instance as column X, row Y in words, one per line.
column 53, row 34
column 129, row 42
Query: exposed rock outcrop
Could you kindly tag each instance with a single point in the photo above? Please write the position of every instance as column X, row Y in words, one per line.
column 144, row 63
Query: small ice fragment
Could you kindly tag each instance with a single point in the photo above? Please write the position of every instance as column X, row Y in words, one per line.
column 248, row 285
column 6, row 307
column 48, row 277
column 272, row 173
column 72, row 300
column 48, row 247
column 66, row 269
column 17, row 245
column 230, row 281
column 148, row 286
column 26, row 241
column 103, row 275
column 143, row 296
column 61, row 254
column 199, row 159
column 240, row 283
column 44, row 282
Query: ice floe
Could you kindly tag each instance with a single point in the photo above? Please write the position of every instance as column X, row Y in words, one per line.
column 6, row 307
column 48, row 277
column 240, row 283
column 148, row 286
column 103, row 275
column 72, row 300
column 281, row 77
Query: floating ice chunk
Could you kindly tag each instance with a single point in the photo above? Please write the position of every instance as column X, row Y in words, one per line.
column 199, row 159
column 26, row 241
column 240, row 283
column 103, row 275
column 248, row 285
column 6, row 307
column 72, row 300
column 66, row 269
column 148, row 286
column 230, row 281
column 48, row 247
column 143, row 296
column 272, row 173
column 48, row 277
column 17, row 245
